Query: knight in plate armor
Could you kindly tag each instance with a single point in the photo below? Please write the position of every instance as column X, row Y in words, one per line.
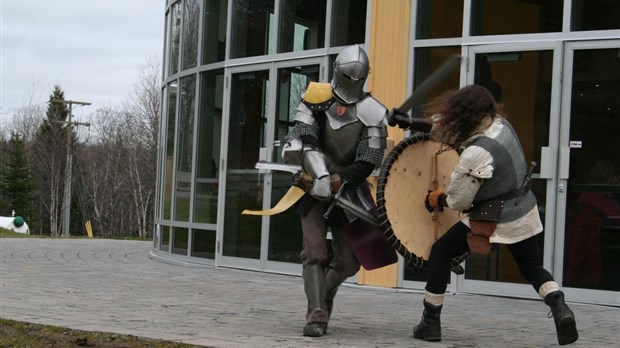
column 339, row 138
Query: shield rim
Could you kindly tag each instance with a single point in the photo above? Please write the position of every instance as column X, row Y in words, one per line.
column 411, row 259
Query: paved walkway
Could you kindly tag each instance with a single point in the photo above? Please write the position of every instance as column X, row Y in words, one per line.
column 113, row 286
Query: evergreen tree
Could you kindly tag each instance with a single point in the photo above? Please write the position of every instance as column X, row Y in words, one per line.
column 16, row 184
column 50, row 160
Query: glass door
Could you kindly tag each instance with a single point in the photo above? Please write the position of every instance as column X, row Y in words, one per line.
column 589, row 188
column 261, row 103
column 525, row 80
column 245, row 132
column 285, row 236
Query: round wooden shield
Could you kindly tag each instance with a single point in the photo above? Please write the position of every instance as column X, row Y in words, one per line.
column 413, row 167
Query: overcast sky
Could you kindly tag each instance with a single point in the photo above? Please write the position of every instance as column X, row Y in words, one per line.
column 93, row 49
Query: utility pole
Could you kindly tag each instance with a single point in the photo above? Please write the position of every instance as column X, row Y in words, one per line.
column 66, row 219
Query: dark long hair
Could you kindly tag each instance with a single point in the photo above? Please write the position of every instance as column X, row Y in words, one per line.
column 463, row 110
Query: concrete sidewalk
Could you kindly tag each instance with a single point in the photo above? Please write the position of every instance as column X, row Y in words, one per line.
column 113, row 286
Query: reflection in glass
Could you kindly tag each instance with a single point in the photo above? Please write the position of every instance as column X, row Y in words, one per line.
column 348, row 22
column 252, row 23
column 214, row 31
column 185, row 145
column 179, row 242
column 203, row 243
column 521, row 81
column 595, row 15
column 165, row 238
column 502, row 17
column 439, row 19
column 175, row 38
column 191, row 21
column 170, row 132
column 285, row 236
column 244, row 185
column 302, row 25
column 592, row 242
column 208, row 147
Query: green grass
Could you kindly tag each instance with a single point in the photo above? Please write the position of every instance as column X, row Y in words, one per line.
column 4, row 233
column 18, row 334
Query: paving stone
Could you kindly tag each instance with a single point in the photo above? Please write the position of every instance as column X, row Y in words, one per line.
column 114, row 286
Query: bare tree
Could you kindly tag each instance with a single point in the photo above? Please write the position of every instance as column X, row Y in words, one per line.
column 28, row 118
column 117, row 171
column 143, row 119
column 102, row 179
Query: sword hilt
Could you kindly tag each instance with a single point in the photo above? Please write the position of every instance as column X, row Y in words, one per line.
column 334, row 201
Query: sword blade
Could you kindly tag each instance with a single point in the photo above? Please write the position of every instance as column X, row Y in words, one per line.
column 431, row 81
column 291, row 168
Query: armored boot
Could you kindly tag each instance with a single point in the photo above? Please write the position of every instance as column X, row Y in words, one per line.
column 429, row 328
column 565, row 325
column 314, row 286
column 333, row 281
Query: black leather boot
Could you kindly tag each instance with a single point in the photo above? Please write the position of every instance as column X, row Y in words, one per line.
column 565, row 325
column 314, row 286
column 429, row 328
column 332, row 282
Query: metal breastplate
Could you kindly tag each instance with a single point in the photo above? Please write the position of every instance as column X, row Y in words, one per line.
column 339, row 134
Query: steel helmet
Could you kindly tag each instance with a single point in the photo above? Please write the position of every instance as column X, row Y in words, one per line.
column 350, row 72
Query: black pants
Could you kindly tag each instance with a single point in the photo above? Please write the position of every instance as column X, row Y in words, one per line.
column 454, row 243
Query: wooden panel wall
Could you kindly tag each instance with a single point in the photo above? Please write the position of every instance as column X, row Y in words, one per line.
column 389, row 56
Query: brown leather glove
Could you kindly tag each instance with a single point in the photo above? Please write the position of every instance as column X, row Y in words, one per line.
column 336, row 183
column 305, row 182
column 435, row 199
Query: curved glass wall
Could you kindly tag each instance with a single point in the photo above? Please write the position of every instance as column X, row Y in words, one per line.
column 214, row 127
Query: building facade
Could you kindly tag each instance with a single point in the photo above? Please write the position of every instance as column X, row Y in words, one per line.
column 234, row 71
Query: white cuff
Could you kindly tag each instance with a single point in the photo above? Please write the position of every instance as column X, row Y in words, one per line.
column 548, row 288
column 434, row 299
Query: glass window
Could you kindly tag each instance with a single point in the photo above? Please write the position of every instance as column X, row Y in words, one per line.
column 426, row 61
column 175, row 37
column 302, row 25
column 439, row 19
column 191, row 21
column 168, row 165
column 244, row 184
column 348, row 22
column 203, row 243
column 185, row 145
column 252, row 23
column 500, row 17
column 208, row 150
column 595, row 14
column 180, row 239
column 165, row 238
column 592, row 244
column 214, row 31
